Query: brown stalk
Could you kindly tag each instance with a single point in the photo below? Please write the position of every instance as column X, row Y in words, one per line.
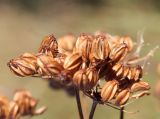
column 93, row 108
column 122, row 113
column 79, row 104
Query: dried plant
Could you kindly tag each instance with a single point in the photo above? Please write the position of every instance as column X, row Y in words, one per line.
column 104, row 67
column 22, row 104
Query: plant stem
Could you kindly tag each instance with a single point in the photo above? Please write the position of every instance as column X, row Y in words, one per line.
column 122, row 113
column 79, row 104
column 94, row 105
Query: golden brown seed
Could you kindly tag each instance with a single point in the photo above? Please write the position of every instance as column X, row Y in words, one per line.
column 109, row 90
column 140, row 86
column 14, row 110
column 49, row 46
column 138, row 73
column 141, row 94
column 48, row 66
column 72, row 62
column 127, row 40
column 125, row 71
column 92, row 76
column 119, row 52
column 22, row 67
column 66, row 44
column 80, row 80
column 29, row 58
column 86, row 79
column 122, row 97
column 100, row 48
column 83, row 45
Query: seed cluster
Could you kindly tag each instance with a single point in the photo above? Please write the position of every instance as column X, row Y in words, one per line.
column 23, row 104
column 96, row 64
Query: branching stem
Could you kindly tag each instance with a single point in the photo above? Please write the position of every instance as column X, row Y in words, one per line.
column 94, row 105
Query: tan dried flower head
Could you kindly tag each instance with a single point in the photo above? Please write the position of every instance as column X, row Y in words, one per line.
column 85, row 62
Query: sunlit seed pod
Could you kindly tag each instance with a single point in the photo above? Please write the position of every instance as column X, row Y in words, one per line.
column 80, row 80
column 122, row 97
column 83, row 46
column 66, row 43
column 109, row 90
column 49, row 46
column 4, row 111
column 127, row 40
column 118, row 69
column 93, row 76
column 100, row 48
column 72, row 62
column 22, row 67
column 42, row 60
column 140, row 86
column 119, row 52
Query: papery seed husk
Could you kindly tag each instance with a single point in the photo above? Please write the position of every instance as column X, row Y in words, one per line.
column 72, row 62
column 138, row 73
column 122, row 97
column 109, row 90
column 49, row 46
column 100, row 48
column 140, row 86
column 119, row 52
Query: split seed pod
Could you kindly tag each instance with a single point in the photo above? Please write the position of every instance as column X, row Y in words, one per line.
column 119, row 52
column 109, row 90
column 72, row 62
column 140, row 86
column 100, row 48
column 83, row 45
column 49, row 46
column 122, row 97
column 23, row 66
column 48, row 66
column 85, row 79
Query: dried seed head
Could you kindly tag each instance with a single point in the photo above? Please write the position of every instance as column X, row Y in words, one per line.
column 119, row 52
column 72, row 62
column 109, row 90
column 135, row 73
column 24, row 66
column 83, row 45
column 48, row 66
column 100, row 48
column 49, row 46
column 122, row 97
column 140, row 86
column 66, row 44
column 127, row 40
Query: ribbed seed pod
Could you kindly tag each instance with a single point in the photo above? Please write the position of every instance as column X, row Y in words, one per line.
column 4, row 107
column 138, row 73
column 122, row 97
column 127, row 40
column 48, row 66
column 31, row 58
column 92, row 76
column 100, row 48
column 72, row 62
column 140, row 86
column 14, row 110
column 23, row 66
column 118, row 69
column 66, row 44
column 83, row 46
column 49, row 46
column 119, row 52
column 80, row 80
column 109, row 90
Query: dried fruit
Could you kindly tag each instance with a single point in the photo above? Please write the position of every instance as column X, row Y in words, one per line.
column 72, row 62
column 122, row 97
column 109, row 90
column 140, row 86
column 49, row 46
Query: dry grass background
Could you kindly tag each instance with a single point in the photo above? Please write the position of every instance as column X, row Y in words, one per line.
column 22, row 26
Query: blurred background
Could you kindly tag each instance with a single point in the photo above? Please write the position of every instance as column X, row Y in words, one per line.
column 23, row 24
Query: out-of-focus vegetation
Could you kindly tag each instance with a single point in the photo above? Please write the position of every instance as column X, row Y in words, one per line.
column 23, row 23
